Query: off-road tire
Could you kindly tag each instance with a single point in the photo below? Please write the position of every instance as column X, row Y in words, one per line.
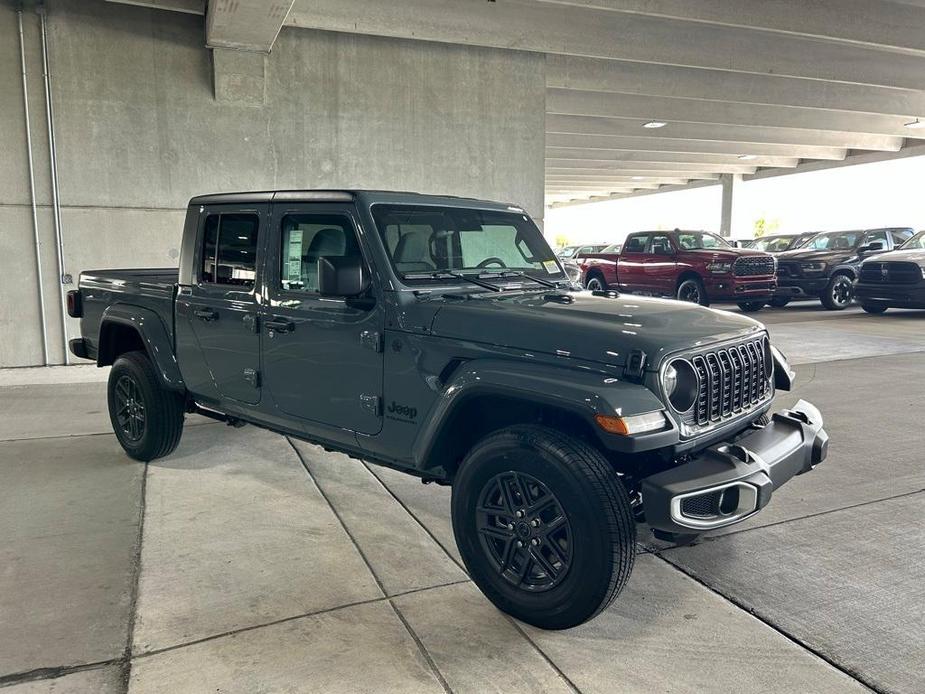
column 874, row 308
column 590, row 497
column 162, row 409
column 595, row 282
column 691, row 287
column 751, row 306
column 832, row 296
column 779, row 302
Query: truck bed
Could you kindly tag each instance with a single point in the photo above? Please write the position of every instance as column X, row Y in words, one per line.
column 148, row 288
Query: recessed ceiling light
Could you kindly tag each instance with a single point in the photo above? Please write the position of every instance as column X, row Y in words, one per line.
column 639, row 178
column 747, row 157
column 917, row 123
column 655, row 124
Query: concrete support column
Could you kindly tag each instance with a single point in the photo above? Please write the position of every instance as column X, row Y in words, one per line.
column 239, row 77
column 730, row 183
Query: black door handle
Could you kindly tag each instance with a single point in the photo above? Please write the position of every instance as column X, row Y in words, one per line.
column 206, row 314
column 279, row 325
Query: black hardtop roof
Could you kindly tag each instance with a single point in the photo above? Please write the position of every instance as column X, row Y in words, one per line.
column 349, row 195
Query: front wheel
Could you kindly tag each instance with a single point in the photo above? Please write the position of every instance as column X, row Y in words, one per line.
column 692, row 290
column 874, row 308
column 146, row 417
column 750, row 306
column 838, row 293
column 544, row 526
column 596, row 283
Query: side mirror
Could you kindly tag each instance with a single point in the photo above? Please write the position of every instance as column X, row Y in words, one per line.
column 343, row 276
column 871, row 247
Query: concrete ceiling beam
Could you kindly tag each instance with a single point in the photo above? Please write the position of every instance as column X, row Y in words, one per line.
column 552, row 170
column 247, row 25
column 566, row 30
column 654, row 144
column 865, row 22
column 185, row 6
column 637, row 166
column 590, row 125
column 689, row 158
column 649, row 79
column 672, row 110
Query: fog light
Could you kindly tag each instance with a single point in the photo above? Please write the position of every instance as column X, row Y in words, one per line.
column 627, row 426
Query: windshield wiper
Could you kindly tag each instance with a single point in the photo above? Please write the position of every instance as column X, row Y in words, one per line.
column 440, row 274
column 524, row 275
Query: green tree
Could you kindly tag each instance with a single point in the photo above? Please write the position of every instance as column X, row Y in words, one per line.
column 764, row 226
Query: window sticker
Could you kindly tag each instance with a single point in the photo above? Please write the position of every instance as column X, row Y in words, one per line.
column 552, row 267
column 293, row 266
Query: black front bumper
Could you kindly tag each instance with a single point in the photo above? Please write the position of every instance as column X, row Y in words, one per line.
column 733, row 480
column 796, row 287
column 895, row 295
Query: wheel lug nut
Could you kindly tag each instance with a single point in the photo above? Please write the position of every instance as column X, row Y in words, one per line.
column 510, row 526
column 519, row 514
column 535, row 522
column 520, row 544
column 535, row 541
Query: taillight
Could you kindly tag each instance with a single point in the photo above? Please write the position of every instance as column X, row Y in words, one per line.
column 74, row 307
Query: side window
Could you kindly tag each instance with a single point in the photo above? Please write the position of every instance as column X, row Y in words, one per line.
column 229, row 250
column 660, row 244
column 901, row 236
column 308, row 237
column 636, row 244
column 875, row 236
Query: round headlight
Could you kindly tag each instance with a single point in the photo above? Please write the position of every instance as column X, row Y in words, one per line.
column 681, row 384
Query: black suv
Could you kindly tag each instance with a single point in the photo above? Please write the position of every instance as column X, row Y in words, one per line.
column 827, row 267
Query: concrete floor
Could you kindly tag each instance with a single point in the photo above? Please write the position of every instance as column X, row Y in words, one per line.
column 246, row 562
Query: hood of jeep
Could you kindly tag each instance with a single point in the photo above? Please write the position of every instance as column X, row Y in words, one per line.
column 593, row 328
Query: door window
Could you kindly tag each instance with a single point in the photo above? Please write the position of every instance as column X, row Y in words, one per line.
column 660, row 245
column 229, row 250
column 308, row 237
column 875, row 236
column 636, row 244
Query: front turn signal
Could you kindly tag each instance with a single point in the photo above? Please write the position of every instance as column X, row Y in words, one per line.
column 627, row 426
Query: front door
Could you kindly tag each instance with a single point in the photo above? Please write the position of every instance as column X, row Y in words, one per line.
column 659, row 265
column 631, row 273
column 322, row 355
column 221, row 305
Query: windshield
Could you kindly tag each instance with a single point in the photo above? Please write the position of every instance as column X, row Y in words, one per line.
column 422, row 240
column 568, row 251
column 696, row 240
column 613, row 248
column 917, row 242
column 773, row 244
column 835, row 241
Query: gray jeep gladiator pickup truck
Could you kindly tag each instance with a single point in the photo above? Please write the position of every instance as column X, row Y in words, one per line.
column 439, row 336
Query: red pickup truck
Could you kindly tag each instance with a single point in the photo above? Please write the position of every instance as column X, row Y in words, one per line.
column 692, row 266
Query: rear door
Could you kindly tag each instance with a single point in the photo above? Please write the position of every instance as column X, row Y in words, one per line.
column 220, row 306
column 631, row 268
column 322, row 355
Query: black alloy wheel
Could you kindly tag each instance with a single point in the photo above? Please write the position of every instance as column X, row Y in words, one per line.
column 595, row 284
column 130, row 408
column 692, row 291
column 839, row 293
column 524, row 531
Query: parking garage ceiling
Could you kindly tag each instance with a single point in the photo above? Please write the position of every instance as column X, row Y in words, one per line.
column 644, row 94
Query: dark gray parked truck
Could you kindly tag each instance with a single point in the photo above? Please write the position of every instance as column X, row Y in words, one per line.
column 439, row 336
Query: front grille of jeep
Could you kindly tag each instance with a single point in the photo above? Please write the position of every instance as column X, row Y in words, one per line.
column 751, row 265
column 891, row 273
column 732, row 381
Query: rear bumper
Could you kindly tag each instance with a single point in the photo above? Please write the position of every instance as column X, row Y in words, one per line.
column 898, row 295
column 733, row 480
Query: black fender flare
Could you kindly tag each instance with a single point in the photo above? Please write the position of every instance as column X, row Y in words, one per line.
column 157, row 341
column 583, row 393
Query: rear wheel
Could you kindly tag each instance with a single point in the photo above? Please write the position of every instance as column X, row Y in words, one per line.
column 838, row 293
column 751, row 306
column 875, row 308
column 692, row 290
column 146, row 417
column 779, row 302
column 544, row 526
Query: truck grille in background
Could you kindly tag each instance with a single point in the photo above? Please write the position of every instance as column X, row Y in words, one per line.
column 896, row 273
column 753, row 265
column 732, row 381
